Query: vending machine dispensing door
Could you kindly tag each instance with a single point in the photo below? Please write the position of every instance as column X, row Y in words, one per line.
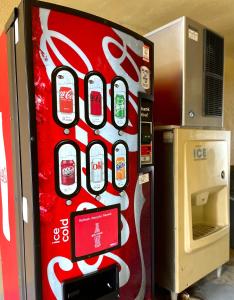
column 78, row 121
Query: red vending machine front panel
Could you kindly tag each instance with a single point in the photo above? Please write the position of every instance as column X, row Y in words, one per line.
column 87, row 77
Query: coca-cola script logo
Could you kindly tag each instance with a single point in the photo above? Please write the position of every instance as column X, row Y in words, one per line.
column 66, row 93
column 3, row 175
column 97, row 236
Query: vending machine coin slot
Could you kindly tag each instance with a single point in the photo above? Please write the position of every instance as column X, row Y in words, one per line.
column 119, row 102
column 65, row 96
column 100, row 285
column 95, row 99
column 96, row 167
column 67, row 169
column 146, row 131
column 120, row 165
column 91, row 234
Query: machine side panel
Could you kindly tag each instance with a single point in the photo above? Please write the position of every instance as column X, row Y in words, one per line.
column 9, row 251
column 164, row 213
column 168, row 67
column 27, row 137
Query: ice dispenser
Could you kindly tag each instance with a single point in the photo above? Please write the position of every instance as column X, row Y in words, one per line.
column 206, row 169
column 192, row 221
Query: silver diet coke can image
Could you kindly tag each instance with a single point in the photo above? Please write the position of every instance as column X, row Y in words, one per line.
column 97, row 170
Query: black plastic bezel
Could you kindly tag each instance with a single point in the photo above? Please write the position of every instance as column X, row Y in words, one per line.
column 74, row 258
column 86, row 93
column 88, row 167
column 57, row 169
column 113, row 102
column 54, row 96
column 113, row 165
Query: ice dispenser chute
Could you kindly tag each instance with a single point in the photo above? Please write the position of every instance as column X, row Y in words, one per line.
column 206, row 209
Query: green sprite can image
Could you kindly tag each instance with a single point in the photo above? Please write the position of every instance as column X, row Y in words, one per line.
column 119, row 106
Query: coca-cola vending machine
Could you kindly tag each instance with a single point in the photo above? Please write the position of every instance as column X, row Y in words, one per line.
column 75, row 157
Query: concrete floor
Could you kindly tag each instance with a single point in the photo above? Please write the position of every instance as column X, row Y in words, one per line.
column 213, row 288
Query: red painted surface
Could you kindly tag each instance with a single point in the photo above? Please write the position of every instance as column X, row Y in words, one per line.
column 168, row 99
column 62, row 39
column 10, row 271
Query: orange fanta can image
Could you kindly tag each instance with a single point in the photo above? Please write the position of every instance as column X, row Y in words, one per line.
column 120, row 168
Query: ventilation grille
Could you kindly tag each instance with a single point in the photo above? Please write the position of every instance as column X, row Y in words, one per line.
column 202, row 230
column 213, row 95
column 213, row 71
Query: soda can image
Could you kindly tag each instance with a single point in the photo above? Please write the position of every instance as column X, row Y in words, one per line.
column 120, row 166
column 119, row 106
column 66, row 100
column 95, row 103
column 67, row 172
column 96, row 170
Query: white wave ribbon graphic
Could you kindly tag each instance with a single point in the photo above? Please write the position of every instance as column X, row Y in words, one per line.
column 66, row 265
column 139, row 201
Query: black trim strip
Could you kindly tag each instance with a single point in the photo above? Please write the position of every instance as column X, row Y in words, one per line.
column 88, row 171
column 87, row 96
column 114, row 165
column 142, row 167
column 27, row 12
column 10, row 22
column 74, row 258
column 113, row 102
column 57, row 169
column 54, row 96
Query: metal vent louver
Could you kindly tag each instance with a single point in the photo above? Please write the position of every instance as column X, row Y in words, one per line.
column 213, row 73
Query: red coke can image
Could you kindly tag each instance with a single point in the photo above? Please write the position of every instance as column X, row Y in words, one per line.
column 66, row 100
column 67, row 172
column 96, row 103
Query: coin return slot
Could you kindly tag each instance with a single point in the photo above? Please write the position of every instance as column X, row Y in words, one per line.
column 101, row 285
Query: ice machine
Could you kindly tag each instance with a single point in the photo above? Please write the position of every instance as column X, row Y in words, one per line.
column 189, row 62
column 192, row 214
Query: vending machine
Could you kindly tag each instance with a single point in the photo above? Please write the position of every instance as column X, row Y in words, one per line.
column 76, row 162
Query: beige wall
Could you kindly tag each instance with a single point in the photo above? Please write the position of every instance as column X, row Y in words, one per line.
column 229, row 99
